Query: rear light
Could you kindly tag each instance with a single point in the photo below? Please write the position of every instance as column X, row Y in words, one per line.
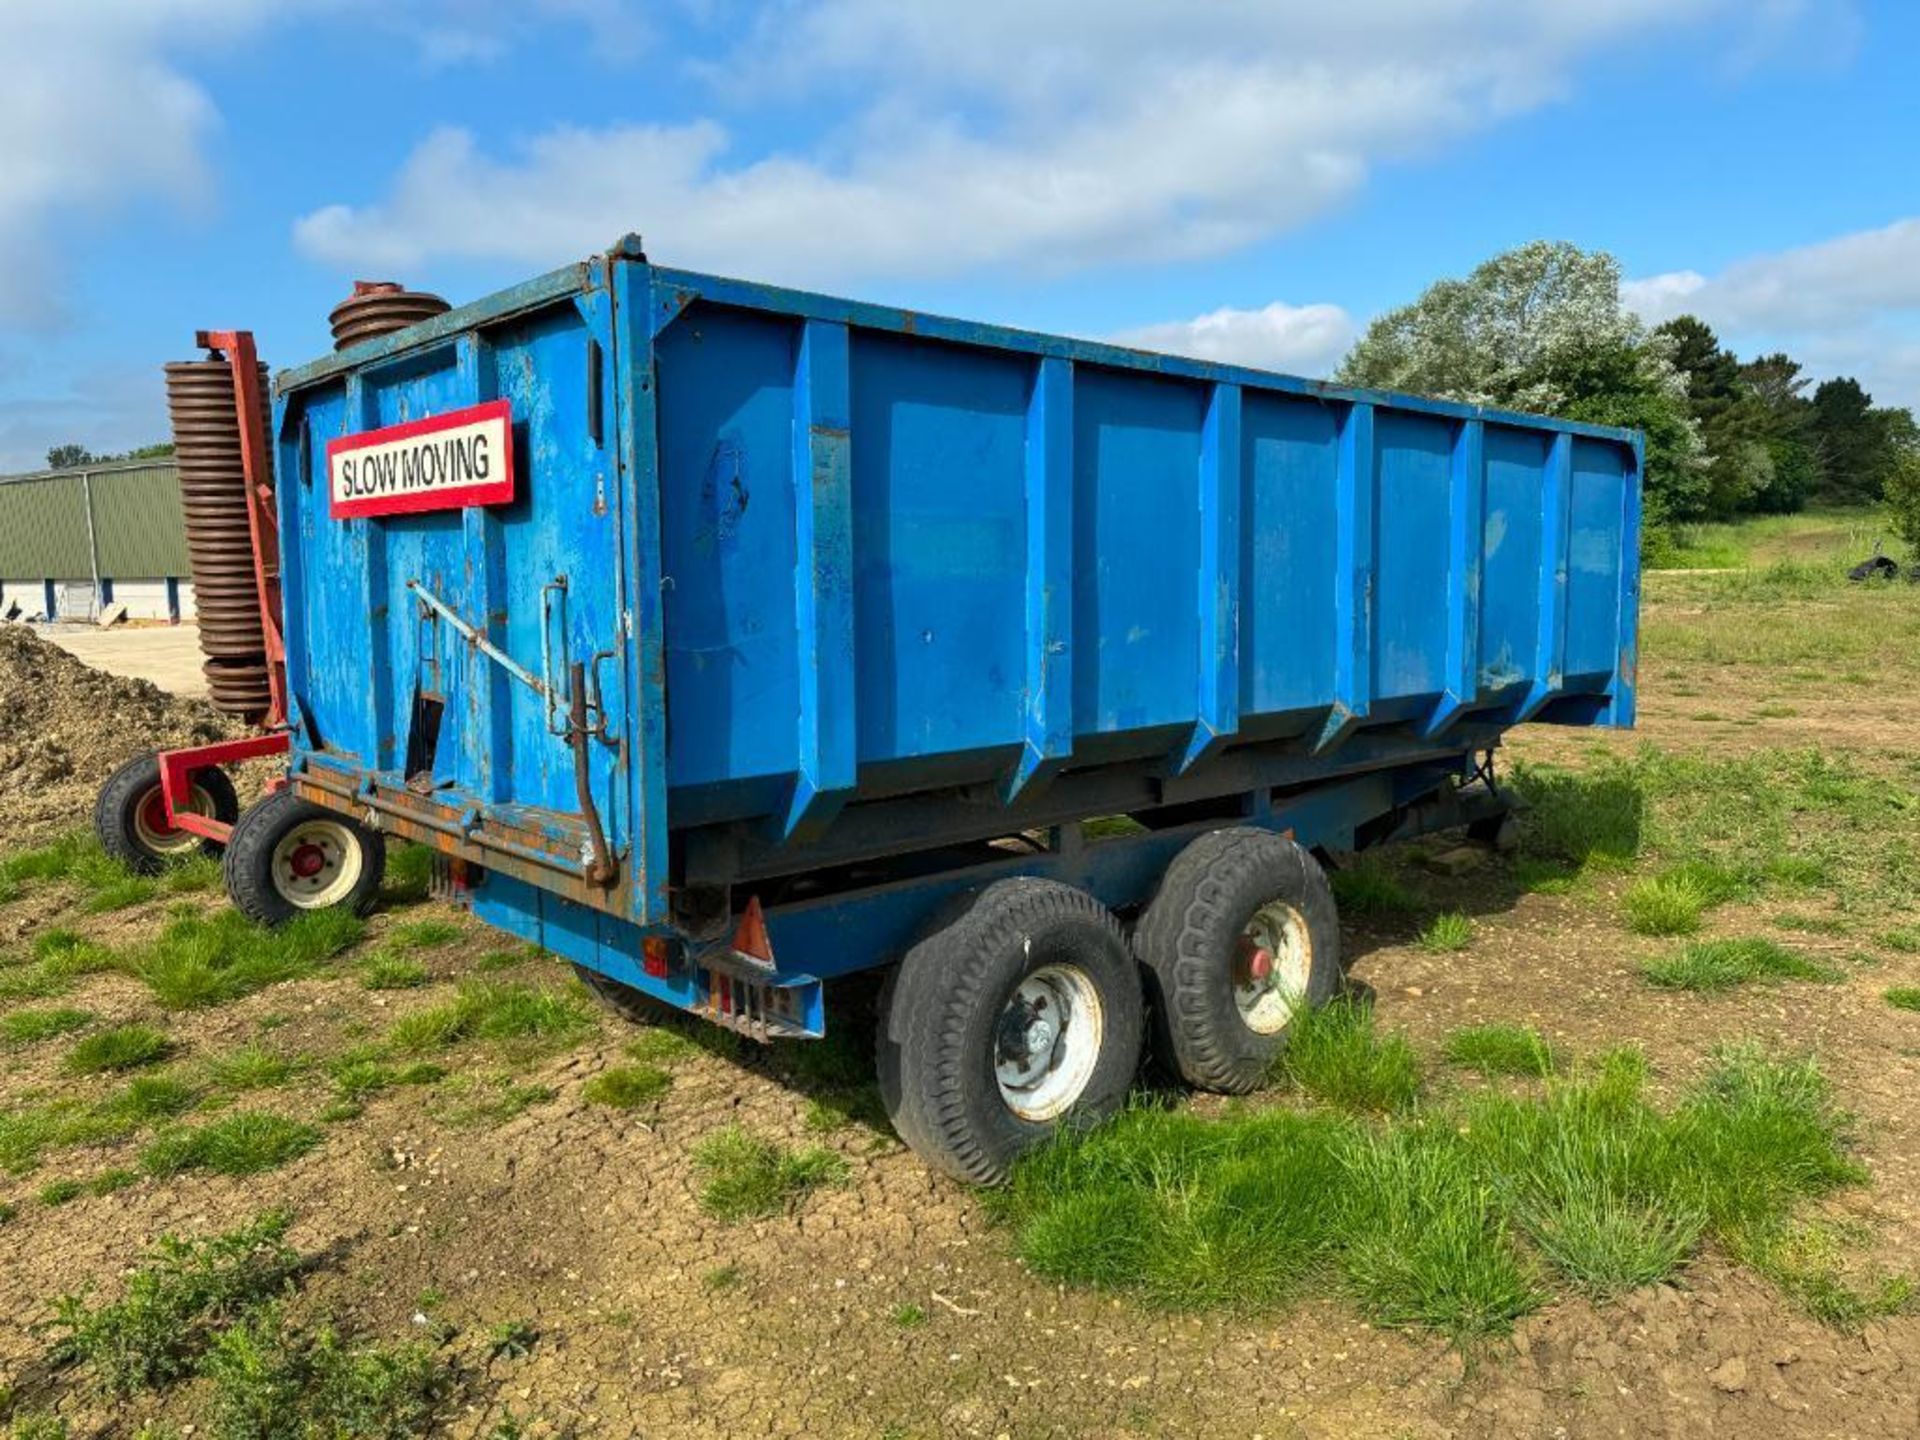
column 656, row 954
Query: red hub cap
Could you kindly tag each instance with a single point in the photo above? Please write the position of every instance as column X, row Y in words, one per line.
column 307, row 861
column 1260, row 963
column 153, row 814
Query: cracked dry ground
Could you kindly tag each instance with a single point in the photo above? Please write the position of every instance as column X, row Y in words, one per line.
column 655, row 1320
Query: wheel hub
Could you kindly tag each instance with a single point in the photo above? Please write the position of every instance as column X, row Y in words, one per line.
column 316, row 864
column 1271, row 967
column 1047, row 1041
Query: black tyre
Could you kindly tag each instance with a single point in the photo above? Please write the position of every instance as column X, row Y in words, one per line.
column 634, row 1006
column 1241, row 936
column 1020, row 1016
column 130, row 815
column 288, row 856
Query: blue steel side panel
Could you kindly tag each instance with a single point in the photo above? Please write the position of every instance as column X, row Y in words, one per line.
column 1411, row 557
column 1596, row 502
column 1291, row 484
column 1137, row 441
column 1511, row 545
column 940, row 566
column 727, row 527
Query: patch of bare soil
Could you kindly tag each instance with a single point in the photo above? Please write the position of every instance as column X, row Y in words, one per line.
column 64, row 727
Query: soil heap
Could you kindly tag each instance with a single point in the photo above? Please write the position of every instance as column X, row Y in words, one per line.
column 65, row 726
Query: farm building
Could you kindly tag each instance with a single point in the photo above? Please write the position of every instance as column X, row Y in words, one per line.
column 74, row 541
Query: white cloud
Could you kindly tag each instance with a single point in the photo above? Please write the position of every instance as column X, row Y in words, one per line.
column 1837, row 281
column 981, row 133
column 1850, row 305
column 93, row 112
column 1296, row 339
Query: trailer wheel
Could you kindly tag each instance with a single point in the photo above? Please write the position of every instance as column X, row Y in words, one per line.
column 634, row 1006
column 1243, row 935
column 1020, row 1016
column 288, row 856
column 130, row 815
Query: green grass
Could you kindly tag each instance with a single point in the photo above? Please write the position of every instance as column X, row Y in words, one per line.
column 357, row 1076
column 423, row 935
column 244, row 1143
column 627, row 1087
column 1368, row 888
column 491, row 1101
column 29, row 1027
column 125, row 1047
column 908, row 1316
column 505, row 1012
column 1501, row 1049
column 1724, row 964
column 1903, row 997
column 409, row 868
column 1335, row 1054
column 662, row 1045
column 393, row 972
column 59, row 1192
column 1456, row 1218
column 210, row 960
column 173, row 1306
column 252, row 1067
column 57, row 958
column 748, row 1177
column 1674, row 901
column 1592, row 819
column 271, row 1378
column 1446, row 933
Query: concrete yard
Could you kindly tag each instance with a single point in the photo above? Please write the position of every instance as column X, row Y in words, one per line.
column 168, row 655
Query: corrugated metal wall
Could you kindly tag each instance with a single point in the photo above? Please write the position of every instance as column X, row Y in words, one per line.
column 137, row 522
column 43, row 528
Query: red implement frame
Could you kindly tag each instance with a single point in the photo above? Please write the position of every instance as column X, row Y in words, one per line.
column 177, row 767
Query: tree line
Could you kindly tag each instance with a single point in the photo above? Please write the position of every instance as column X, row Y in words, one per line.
column 1542, row 328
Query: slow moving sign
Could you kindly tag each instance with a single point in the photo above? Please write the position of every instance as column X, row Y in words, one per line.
column 447, row 462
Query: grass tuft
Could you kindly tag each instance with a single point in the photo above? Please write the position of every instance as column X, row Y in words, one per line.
column 29, row 1027
column 271, row 1378
column 500, row 1011
column 1904, row 997
column 1501, row 1050
column 125, row 1047
column 1723, row 964
column 627, row 1087
column 1367, row 887
column 748, row 1177
column 1335, row 1054
column 393, row 972
column 252, row 1067
column 211, row 960
column 244, row 1143
column 1447, row 932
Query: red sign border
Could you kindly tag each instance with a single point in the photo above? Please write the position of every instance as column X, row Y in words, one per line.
column 419, row 502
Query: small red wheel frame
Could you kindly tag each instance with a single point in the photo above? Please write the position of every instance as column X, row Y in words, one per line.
column 177, row 768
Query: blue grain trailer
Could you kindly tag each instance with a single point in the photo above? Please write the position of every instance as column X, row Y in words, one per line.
column 726, row 640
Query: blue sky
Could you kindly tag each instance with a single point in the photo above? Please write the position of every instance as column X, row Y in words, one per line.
column 1250, row 179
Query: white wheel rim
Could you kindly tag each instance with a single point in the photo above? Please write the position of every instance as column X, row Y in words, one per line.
column 150, row 826
column 1271, row 966
column 1047, row 1041
column 316, row 864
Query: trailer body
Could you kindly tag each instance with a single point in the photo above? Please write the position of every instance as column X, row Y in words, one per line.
column 806, row 614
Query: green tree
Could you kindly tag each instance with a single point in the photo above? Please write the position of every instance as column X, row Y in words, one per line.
column 59, row 457
column 1778, row 389
column 1730, row 417
column 1541, row 328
